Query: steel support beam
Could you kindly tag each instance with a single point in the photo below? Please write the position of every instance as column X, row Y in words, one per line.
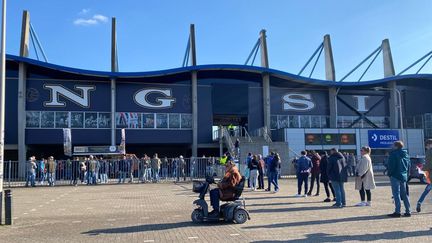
column 388, row 72
column 22, row 80
column 194, row 83
column 330, row 76
column 265, row 79
column 114, row 68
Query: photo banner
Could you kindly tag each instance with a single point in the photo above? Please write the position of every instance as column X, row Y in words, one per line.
column 123, row 141
column 67, row 141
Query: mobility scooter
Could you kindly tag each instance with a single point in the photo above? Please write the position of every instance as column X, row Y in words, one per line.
column 231, row 211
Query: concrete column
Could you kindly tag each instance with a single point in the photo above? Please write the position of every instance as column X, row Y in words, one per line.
column 194, row 79
column 388, row 72
column 329, row 62
column 266, row 80
column 387, row 59
column 330, row 76
column 114, row 68
column 22, row 79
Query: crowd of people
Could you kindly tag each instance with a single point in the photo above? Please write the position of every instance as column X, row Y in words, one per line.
column 93, row 170
column 332, row 170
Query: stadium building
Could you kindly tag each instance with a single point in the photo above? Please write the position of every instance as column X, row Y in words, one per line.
column 186, row 110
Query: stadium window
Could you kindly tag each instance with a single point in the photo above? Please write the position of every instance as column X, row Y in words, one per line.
column 186, row 121
column 32, row 119
column 174, row 121
column 47, row 119
column 77, row 120
column 62, row 119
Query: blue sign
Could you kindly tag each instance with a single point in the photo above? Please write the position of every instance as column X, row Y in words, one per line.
column 382, row 139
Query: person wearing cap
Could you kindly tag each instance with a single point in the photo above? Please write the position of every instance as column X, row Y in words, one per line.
column 51, row 169
column 31, row 172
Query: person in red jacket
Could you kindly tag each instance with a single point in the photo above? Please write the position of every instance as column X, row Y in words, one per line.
column 315, row 173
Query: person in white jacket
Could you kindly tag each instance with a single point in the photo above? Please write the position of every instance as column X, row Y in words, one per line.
column 365, row 181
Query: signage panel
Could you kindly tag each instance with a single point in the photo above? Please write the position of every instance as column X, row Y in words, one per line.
column 383, row 139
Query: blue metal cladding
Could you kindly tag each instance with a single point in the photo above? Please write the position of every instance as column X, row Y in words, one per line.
column 286, row 101
column 79, row 136
column 130, row 100
column 205, row 114
column 156, row 136
column 11, row 118
column 99, row 96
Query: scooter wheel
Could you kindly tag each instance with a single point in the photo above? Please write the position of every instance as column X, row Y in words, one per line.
column 240, row 216
column 197, row 216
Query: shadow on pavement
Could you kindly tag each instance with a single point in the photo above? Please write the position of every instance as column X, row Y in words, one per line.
column 268, row 197
column 320, row 222
column 283, row 210
column 281, row 203
column 149, row 227
column 394, row 235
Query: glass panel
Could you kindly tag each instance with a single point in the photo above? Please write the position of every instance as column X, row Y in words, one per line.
column 283, row 121
column 47, row 119
column 174, row 120
column 77, row 119
column 104, row 120
column 304, row 122
column 148, row 120
column 161, row 120
column 32, row 119
column 90, row 120
column 293, row 122
column 324, row 121
column 186, row 120
column 128, row 120
column 315, row 121
column 62, row 119
column 274, row 122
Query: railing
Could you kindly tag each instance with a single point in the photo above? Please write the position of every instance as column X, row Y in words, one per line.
column 70, row 172
column 262, row 132
column 227, row 136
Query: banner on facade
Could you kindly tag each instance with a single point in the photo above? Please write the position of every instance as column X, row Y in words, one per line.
column 67, row 141
column 383, row 139
column 123, row 141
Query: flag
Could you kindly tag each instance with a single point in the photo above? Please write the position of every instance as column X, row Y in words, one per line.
column 67, row 141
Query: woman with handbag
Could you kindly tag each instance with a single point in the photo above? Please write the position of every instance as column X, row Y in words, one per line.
column 365, row 181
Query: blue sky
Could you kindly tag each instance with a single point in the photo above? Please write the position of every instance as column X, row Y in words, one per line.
column 152, row 34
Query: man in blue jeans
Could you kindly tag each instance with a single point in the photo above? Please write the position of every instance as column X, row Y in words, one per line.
column 304, row 167
column 337, row 171
column 398, row 169
column 272, row 173
column 427, row 168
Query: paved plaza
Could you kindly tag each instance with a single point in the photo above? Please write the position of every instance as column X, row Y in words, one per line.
column 161, row 213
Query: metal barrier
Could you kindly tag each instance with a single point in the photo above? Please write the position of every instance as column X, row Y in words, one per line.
column 73, row 172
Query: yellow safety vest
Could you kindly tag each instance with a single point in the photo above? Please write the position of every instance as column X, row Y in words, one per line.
column 223, row 160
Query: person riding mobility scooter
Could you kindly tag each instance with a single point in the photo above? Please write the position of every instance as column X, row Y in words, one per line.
column 229, row 190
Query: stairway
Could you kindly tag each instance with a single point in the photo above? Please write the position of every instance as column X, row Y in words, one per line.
column 256, row 145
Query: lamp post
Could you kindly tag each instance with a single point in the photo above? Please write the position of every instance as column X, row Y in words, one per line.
column 2, row 99
column 399, row 94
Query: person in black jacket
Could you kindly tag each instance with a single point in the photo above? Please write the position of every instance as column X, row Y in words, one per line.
column 324, row 177
column 75, row 171
column 261, row 169
column 338, row 175
column 253, row 172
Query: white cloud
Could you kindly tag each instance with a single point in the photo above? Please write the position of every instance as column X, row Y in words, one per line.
column 96, row 19
column 84, row 11
column 100, row 18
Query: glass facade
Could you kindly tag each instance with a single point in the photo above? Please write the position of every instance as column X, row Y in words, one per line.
column 355, row 122
column 420, row 122
column 298, row 121
column 102, row 120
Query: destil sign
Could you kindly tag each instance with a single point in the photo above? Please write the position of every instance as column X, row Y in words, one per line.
column 383, row 139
